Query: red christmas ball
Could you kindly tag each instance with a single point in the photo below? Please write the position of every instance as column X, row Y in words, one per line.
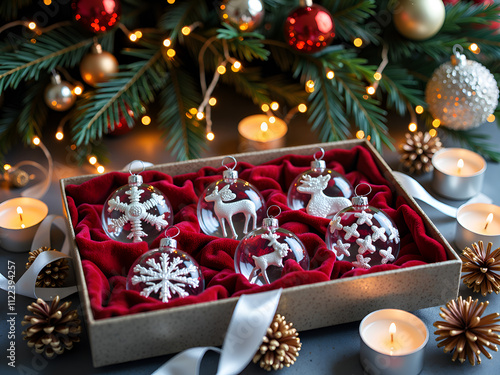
column 309, row 29
column 121, row 127
column 494, row 25
column 97, row 15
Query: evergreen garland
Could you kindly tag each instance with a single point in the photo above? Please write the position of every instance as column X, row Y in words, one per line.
column 272, row 71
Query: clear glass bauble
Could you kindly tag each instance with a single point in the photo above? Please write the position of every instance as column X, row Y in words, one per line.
column 166, row 274
column 363, row 235
column 321, row 191
column 230, row 208
column 261, row 254
column 136, row 212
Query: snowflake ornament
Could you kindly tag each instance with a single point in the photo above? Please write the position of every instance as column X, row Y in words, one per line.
column 135, row 212
column 165, row 273
column 363, row 235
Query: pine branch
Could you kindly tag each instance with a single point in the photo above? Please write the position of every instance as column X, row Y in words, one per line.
column 64, row 47
column 185, row 136
column 249, row 83
column 475, row 141
column 133, row 87
column 247, row 46
column 180, row 14
column 463, row 14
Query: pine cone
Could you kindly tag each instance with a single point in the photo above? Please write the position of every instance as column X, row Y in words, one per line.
column 53, row 274
column 480, row 267
column 465, row 332
column 52, row 327
column 280, row 347
column 417, row 152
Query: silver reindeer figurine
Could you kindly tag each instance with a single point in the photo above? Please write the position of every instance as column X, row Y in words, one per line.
column 225, row 210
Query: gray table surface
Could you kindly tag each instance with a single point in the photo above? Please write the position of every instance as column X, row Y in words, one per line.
column 330, row 350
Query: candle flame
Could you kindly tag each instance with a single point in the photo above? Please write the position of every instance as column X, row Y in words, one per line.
column 20, row 210
column 264, row 127
column 460, row 165
column 392, row 331
column 20, row 213
column 489, row 219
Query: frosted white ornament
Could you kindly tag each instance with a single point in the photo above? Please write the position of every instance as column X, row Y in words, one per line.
column 136, row 212
column 166, row 273
column 461, row 93
column 363, row 235
column 230, row 207
column 261, row 254
column 321, row 191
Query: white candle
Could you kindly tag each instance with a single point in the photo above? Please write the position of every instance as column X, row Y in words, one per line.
column 19, row 220
column 458, row 173
column 478, row 222
column 392, row 342
column 260, row 132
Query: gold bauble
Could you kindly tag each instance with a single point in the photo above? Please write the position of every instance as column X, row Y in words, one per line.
column 419, row 19
column 98, row 66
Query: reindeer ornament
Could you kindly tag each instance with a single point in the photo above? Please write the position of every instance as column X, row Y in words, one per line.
column 321, row 191
column 226, row 202
column 261, row 255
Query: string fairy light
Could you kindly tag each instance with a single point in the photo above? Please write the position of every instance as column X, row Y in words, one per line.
column 377, row 76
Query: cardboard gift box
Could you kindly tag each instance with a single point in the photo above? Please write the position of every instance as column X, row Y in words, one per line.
column 116, row 338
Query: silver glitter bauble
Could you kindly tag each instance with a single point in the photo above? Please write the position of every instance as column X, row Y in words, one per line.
column 461, row 93
column 59, row 94
column 246, row 15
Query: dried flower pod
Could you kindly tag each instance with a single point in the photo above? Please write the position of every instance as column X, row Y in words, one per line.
column 465, row 333
column 481, row 268
column 417, row 151
column 52, row 328
column 53, row 274
column 280, row 346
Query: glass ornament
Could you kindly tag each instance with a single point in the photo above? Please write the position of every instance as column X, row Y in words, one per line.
column 321, row 191
column 261, row 254
column 309, row 28
column 246, row 15
column 59, row 94
column 97, row 15
column 136, row 212
column 363, row 235
column 166, row 273
column 230, row 206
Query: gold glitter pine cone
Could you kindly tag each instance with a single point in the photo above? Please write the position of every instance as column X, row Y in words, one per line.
column 53, row 274
column 280, row 346
column 52, row 328
column 481, row 268
column 465, row 333
column 417, row 151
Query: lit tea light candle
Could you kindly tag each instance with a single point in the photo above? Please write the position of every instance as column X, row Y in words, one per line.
column 261, row 132
column 19, row 221
column 392, row 342
column 458, row 173
column 478, row 222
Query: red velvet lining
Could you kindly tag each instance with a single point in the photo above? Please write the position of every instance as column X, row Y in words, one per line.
column 106, row 262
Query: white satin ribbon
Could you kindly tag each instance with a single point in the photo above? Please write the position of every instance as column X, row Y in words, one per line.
column 26, row 284
column 252, row 316
column 417, row 191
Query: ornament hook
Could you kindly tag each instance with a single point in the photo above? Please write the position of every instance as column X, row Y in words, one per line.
column 172, row 227
column 131, row 170
column 321, row 149
column 230, row 157
column 457, row 49
column 273, row 216
column 362, row 195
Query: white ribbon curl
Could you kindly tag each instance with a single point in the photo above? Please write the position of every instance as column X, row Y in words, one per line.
column 26, row 284
column 252, row 316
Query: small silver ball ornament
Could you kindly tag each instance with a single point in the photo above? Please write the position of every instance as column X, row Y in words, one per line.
column 462, row 93
column 246, row 15
column 59, row 94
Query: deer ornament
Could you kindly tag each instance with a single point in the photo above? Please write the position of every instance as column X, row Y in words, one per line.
column 271, row 259
column 320, row 204
column 225, row 209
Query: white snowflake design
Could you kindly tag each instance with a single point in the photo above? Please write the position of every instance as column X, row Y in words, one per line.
column 165, row 277
column 364, row 217
column 378, row 233
column 362, row 262
column 386, row 255
column 351, row 231
column 341, row 249
column 135, row 212
column 365, row 245
column 335, row 224
column 394, row 235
